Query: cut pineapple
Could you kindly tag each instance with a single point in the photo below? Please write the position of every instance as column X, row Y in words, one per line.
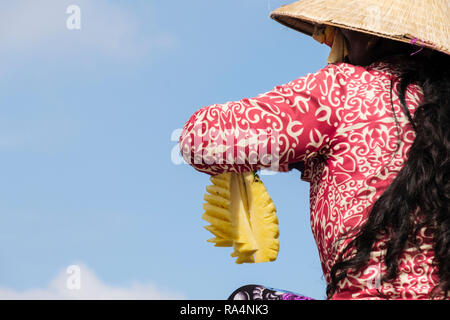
column 263, row 218
column 244, row 242
column 243, row 216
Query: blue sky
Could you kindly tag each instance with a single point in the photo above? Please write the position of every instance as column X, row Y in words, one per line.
column 87, row 119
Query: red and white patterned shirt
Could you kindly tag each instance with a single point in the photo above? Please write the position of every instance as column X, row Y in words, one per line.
column 341, row 123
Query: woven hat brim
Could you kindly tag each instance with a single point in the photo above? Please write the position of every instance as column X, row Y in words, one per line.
column 423, row 22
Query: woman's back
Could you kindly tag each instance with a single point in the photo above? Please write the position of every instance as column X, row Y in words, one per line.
column 371, row 136
column 348, row 127
column 361, row 160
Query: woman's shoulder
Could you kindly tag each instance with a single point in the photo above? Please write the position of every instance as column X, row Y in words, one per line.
column 391, row 66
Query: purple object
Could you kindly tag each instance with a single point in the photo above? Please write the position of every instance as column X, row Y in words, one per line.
column 258, row 292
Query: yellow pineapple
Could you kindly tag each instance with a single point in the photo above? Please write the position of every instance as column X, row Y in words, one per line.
column 243, row 216
column 263, row 218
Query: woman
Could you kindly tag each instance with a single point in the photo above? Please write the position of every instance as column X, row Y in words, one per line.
column 370, row 133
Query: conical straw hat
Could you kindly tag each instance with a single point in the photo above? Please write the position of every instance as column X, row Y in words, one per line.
column 420, row 22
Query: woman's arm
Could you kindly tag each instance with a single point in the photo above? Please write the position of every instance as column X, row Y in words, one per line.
column 277, row 128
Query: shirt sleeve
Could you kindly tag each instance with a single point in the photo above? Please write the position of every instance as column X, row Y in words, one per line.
column 292, row 122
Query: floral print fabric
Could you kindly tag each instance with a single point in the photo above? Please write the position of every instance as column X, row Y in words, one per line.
column 347, row 126
column 258, row 292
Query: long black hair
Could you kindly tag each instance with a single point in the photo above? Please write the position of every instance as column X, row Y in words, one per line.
column 420, row 194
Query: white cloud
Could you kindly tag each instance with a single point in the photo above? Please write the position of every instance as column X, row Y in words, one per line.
column 91, row 288
column 39, row 27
